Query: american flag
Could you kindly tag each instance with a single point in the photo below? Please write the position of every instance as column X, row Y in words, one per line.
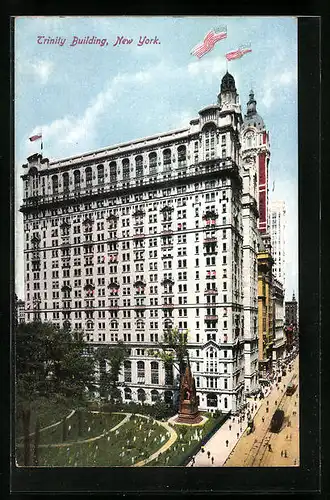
column 36, row 137
column 210, row 39
column 240, row 52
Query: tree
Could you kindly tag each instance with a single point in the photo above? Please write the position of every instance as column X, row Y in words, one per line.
column 172, row 349
column 51, row 364
column 115, row 356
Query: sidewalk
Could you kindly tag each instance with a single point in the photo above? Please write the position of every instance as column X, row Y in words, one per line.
column 233, row 429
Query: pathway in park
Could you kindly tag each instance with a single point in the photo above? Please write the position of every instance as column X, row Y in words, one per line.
column 173, row 437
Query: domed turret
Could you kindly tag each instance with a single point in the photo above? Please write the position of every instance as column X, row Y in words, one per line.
column 228, row 83
column 228, row 97
column 252, row 118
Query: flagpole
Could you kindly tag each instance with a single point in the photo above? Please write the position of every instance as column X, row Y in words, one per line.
column 41, row 146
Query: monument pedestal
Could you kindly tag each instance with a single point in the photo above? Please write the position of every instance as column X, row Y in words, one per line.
column 188, row 409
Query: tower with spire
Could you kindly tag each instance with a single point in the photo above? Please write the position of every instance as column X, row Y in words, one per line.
column 255, row 157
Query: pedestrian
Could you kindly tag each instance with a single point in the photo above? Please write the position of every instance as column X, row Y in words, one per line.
column 208, row 454
column 267, row 403
column 295, row 403
column 267, row 409
column 275, row 402
column 240, row 429
column 227, row 442
column 237, row 435
column 212, row 460
column 285, row 454
column 263, row 419
column 233, row 420
column 193, row 460
column 203, row 449
column 282, row 453
column 230, row 427
column 269, row 447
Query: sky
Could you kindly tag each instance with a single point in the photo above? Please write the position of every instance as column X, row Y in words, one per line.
column 87, row 96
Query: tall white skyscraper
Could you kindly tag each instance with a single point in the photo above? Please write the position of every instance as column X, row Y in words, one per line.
column 277, row 224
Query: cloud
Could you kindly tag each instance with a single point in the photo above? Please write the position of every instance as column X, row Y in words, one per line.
column 41, row 69
column 275, row 83
column 65, row 135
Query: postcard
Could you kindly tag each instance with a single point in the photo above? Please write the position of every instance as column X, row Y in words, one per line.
column 156, row 242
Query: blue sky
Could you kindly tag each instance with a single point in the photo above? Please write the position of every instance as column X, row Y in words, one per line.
column 86, row 97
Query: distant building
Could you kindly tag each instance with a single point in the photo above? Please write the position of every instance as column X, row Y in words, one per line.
column 291, row 312
column 278, row 321
column 277, row 226
column 19, row 310
column 265, row 312
column 291, row 321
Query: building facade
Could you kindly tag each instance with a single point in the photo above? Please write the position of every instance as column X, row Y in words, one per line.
column 265, row 313
column 19, row 310
column 278, row 321
column 158, row 232
column 277, row 225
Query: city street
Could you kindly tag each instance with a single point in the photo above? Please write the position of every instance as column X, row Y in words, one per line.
column 231, row 446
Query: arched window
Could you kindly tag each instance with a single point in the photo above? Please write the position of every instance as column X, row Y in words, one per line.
column 168, row 374
column 139, row 166
column 100, row 174
column 212, row 400
column 141, row 395
column 182, row 156
column 76, row 176
column 88, row 173
column 167, row 156
column 114, row 325
column 140, row 370
column 55, row 184
column 154, row 373
column 225, row 402
column 65, row 182
column 154, row 395
column 113, row 171
column 125, row 168
column 128, row 393
column 90, row 325
column 153, row 163
column 209, row 134
column 127, row 371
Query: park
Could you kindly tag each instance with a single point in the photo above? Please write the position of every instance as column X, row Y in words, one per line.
column 60, row 422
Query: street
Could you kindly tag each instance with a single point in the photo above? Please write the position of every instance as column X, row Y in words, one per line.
column 253, row 450
column 231, row 446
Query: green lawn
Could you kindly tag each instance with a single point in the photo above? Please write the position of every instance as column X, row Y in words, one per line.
column 188, row 437
column 48, row 412
column 111, row 450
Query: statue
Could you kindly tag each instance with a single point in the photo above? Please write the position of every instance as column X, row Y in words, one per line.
column 188, row 406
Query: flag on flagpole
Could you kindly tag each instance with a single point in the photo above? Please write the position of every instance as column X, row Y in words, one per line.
column 35, row 137
column 240, row 52
column 211, row 38
column 273, row 186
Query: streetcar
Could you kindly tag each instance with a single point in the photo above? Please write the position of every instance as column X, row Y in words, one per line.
column 290, row 389
column 277, row 421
